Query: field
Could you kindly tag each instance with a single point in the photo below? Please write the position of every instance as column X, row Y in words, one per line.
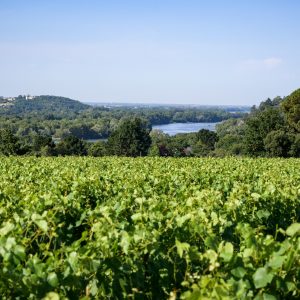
column 149, row 228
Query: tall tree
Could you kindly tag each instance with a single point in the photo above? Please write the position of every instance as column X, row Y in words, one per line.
column 207, row 138
column 40, row 141
column 71, row 145
column 291, row 108
column 9, row 143
column 97, row 149
column 131, row 138
column 278, row 143
column 258, row 125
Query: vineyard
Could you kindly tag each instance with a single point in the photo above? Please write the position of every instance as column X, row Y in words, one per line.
column 149, row 228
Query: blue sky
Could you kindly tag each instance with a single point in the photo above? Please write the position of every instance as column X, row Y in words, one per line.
column 201, row 52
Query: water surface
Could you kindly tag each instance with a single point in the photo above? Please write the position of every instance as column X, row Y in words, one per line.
column 175, row 128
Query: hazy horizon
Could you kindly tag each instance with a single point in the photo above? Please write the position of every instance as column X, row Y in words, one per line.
column 157, row 103
column 163, row 52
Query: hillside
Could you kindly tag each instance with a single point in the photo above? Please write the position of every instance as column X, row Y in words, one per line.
column 60, row 116
column 44, row 104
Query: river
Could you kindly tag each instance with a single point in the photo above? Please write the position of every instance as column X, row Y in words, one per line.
column 175, row 128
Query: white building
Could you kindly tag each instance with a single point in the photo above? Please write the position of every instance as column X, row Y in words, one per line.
column 28, row 97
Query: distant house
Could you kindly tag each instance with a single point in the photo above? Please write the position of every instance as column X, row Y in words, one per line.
column 28, row 97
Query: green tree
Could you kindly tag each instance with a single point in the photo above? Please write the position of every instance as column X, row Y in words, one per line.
column 9, row 143
column 230, row 126
column 201, row 149
column 207, row 138
column 71, row 145
column 201, row 143
column 40, row 141
column 230, row 137
column 83, row 131
column 278, row 143
column 97, row 149
column 258, row 125
column 159, row 143
column 131, row 138
column 291, row 108
column 48, row 151
column 295, row 147
column 230, row 144
column 154, row 150
column 177, row 145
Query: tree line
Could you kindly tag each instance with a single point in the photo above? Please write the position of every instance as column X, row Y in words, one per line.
column 60, row 117
column 272, row 130
column 131, row 138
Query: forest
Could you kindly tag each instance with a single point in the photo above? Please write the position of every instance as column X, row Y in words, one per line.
column 270, row 130
column 60, row 117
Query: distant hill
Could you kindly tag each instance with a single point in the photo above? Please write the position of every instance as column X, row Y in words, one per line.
column 44, row 104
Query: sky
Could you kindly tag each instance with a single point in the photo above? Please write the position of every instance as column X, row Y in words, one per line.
column 168, row 51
